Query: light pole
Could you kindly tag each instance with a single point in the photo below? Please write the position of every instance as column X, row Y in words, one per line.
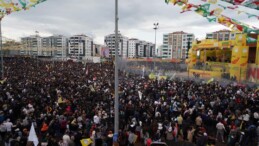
column 155, row 28
column 37, row 34
column 116, row 103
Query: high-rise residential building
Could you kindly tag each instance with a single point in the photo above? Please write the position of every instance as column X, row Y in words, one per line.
column 139, row 48
column 149, row 50
column 133, row 48
column 221, row 35
column 166, row 50
column 109, row 41
column 80, row 46
column 175, row 45
column 55, row 45
column 33, row 45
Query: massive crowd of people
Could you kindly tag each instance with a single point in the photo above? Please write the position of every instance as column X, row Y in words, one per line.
column 69, row 101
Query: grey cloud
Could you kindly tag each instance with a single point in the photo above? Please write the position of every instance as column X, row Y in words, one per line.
column 96, row 18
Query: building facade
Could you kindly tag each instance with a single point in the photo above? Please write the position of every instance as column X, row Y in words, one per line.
column 140, row 49
column 32, row 44
column 221, row 35
column 133, row 48
column 97, row 49
column 175, row 45
column 109, row 41
column 166, row 50
column 80, row 46
column 55, row 45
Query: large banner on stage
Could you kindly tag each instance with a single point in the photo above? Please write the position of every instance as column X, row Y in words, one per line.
column 241, row 39
column 239, row 62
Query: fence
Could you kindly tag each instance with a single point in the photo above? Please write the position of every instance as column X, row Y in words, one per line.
column 224, row 73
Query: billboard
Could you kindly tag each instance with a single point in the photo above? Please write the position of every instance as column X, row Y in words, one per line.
column 105, row 52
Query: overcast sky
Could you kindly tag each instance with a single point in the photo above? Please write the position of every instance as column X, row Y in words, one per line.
column 96, row 18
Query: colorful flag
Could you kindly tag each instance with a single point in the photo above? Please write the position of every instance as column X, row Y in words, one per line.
column 211, row 80
column 60, row 100
column 32, row 136
column 234, row 25
column 212, row 1
column 86, row 142
column 9, row 6
column 253, row 4
column 152, row 76
column 212, row 19
column 251, row 15
column 224, row 7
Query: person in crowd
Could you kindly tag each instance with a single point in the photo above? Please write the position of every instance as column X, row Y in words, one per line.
column 70, row 101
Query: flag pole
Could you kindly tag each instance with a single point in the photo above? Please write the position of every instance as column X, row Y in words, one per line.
column 116, row 103
column 2, row 51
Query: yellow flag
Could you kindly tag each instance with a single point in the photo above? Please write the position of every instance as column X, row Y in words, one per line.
column 3, row 81
column 211, row 80
column 162, row 77
column 212, row 1
column 86, row 142
column 152, row 76
column 218, row 12
column 60, row 100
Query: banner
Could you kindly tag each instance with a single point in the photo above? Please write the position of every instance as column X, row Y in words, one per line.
column 105, row 52
column 9, row 6
column 240, row 55
column 86, row 142
column 204, row 10
column 239, row 62
column 253, row 4
column 241, row 39
column 32, row 136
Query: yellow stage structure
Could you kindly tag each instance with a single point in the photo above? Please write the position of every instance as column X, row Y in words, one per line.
column 232, row 59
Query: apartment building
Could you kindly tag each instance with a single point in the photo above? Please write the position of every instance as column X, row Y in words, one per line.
column 175, row 45
column 109, row 41
column 221, row 35
column 80, row 46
